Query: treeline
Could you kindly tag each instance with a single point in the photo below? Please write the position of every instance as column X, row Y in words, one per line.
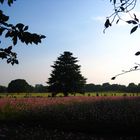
column 106, row 87
column 21, row 86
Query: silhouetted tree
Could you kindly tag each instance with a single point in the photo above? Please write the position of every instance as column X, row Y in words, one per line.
column 106, row 87
column 3, row 89
column 39, row 88
column 15, row 33
column 132, row 88
column 90, row 87
column 19, row 86
column 66, row 76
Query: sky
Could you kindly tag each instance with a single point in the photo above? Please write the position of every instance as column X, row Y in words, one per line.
column 75, row 26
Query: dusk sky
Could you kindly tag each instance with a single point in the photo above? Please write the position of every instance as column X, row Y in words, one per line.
column 75, row 26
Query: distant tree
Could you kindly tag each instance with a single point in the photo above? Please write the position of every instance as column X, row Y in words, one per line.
column 106, row 87
column 39, row 88
column 90, row 87
column 19, row 86
column 15, row 33
column 3, row 89
column 66, row 76
column 132, row 88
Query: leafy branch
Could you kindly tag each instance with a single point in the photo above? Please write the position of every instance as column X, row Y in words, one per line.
column 135, row 68
column 125, row 7
column 15, row 33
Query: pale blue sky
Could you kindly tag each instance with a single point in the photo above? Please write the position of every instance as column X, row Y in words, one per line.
column 76, row 26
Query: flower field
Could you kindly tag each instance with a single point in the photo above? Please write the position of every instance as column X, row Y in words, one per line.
column 120, row 114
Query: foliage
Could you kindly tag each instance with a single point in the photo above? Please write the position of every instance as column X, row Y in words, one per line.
column 66, row 76
column 3, row 89
column 42, row 91
column 123, row 7
column 19, row 86
column 15, row 32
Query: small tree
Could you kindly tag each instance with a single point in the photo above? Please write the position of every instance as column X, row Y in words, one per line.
column 19, row 86
column 66, row 76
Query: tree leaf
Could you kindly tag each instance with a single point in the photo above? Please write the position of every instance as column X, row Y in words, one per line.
column 7, row 34
column 1, row 30
column 10, row 2
column 16, row 62
column 14, row 40
column 26, row 28
column 132, row 22
column 137, row 53
column 114, row 1
column 8, row 50
column 117, row 21
column 113, row 78
column 122, row 8
column 9, row 60
column 107, row 23
column 42, row 36
column 135, row 18
column 20, row 26
column 1, row 1
column 133, row 29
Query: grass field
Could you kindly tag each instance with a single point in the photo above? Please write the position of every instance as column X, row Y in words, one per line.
column 24, row 95
column 73, row 117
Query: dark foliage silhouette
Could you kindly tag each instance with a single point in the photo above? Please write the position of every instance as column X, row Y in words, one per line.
column 124, row 7
column 66, row 76
column 3, row 89
column 19, row 86
column 15, row 33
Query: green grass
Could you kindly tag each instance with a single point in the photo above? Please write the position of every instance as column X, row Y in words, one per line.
column 24, row 95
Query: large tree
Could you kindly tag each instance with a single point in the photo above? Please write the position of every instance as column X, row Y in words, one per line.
column 15, row 33
column 66, row 76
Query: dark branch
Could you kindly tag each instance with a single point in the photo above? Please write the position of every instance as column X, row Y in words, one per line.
column 122, row 6
column 135, row 68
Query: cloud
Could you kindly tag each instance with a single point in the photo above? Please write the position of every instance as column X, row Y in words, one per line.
column 99, row 19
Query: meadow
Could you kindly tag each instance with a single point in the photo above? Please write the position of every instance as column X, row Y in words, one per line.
column 26, row 116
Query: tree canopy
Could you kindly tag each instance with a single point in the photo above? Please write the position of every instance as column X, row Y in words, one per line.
column 66, row 76
column 19, row 86
column 15, row 33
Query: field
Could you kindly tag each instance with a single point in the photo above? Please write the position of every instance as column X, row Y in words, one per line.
column 24, row 95
column 73, row 117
